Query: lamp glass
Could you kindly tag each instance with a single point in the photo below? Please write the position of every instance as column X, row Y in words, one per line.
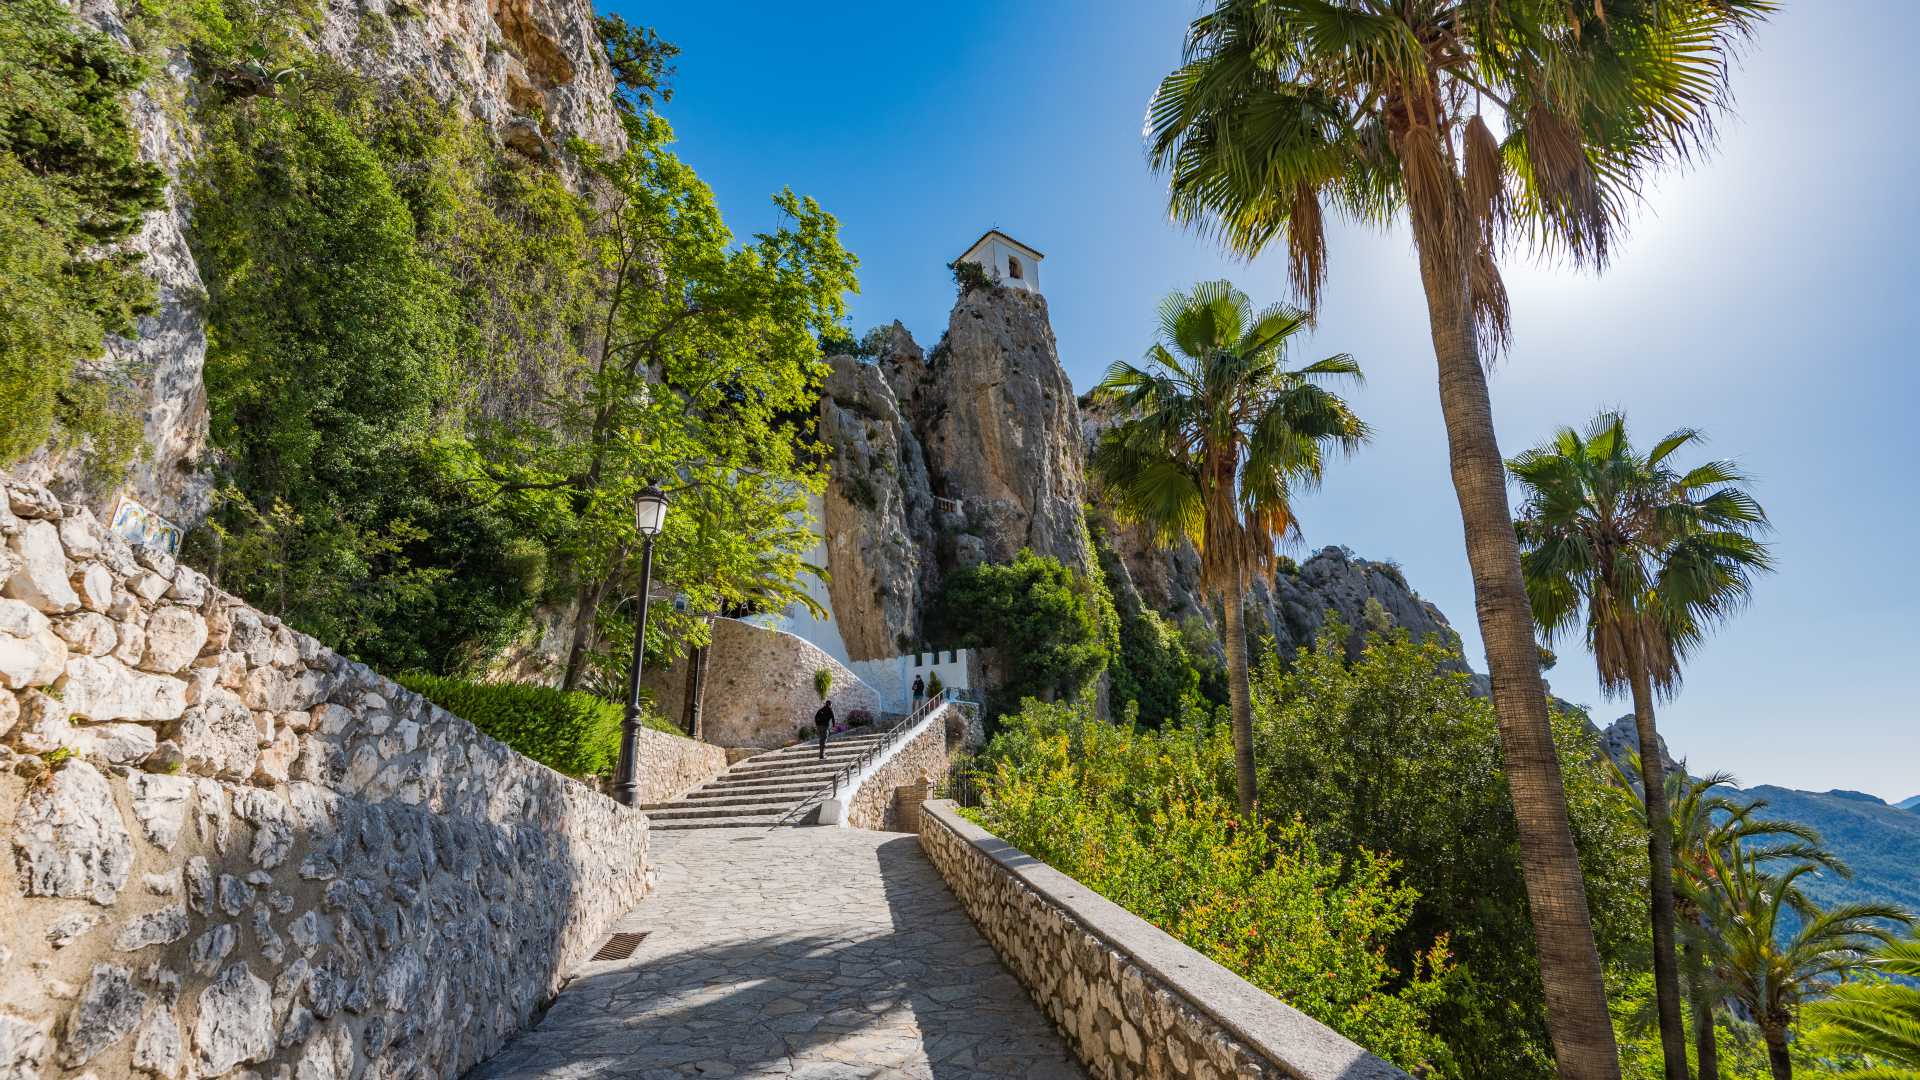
column 650, row 512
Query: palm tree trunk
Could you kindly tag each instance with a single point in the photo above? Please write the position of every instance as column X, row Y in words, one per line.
column 1576, row 996
column 1242, row 703
column 1653, row 784
column 1706, row 1044
column 1778, row 1060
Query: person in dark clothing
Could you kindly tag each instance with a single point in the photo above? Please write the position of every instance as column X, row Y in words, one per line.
column 823, row 723
column 919, row 691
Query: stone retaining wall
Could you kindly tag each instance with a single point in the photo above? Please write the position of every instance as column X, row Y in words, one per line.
column 232, row 852
column 759, row 687
column 1130, row 1000
column 669, row 766
column 921, row 758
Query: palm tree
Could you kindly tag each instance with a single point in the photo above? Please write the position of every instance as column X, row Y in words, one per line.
column 1643, row 558
column 1706, row 819
column 1877, row 1018
column 1216, row 436
column 1284, row 107
column 1772, row 949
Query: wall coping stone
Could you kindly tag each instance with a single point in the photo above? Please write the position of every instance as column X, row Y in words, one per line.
column 1294, row 1042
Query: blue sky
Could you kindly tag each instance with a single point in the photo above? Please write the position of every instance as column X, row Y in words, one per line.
column 1764, row 295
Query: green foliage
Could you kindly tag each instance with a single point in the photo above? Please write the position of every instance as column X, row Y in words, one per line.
column 71, row 186
column 641, row 63
column 573, row 733
column 1391, row 752
column 348, row 247
column 1151, row 668
column 969, row 275
column 1877, row 1017
column 1742, row 1053
column 934, row 685
column 822, row 682
column 1043, row 617
column 703, row 375
column 1142, row 818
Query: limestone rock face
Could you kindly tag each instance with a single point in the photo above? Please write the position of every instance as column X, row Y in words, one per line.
column 531, row 71
column 69, row 839
column 878, row 510
column 1002, row 430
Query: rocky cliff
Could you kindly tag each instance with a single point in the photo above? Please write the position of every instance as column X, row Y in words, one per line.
column 532, row 71
column 971, row 453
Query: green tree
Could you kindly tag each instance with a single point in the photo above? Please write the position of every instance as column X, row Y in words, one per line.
column 1772, row 949
column 1147, row 820
column 72, row 187
column 1878, row 1018
column 1044, row 619
column 1391, row 751
column 1643, row 558
column 702, row 374
column 1706, row 819
column 1151, row 667
column 1283, row 108
column 1216, row 435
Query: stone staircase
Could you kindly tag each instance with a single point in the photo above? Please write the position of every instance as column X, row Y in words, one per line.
column 775, row 788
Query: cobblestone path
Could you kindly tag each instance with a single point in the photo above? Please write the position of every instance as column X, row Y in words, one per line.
column 812, row 953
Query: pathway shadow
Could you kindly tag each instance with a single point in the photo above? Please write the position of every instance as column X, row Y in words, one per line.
column 926, row 999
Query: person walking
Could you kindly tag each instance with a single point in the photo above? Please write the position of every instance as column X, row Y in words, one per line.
column 823, row 723
column 919, row 692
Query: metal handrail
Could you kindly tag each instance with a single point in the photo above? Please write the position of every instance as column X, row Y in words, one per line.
column 888, row 738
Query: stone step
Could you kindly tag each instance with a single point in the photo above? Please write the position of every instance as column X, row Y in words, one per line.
column 729, row 791
column 762, row 821
column 687, row 813
column 724, row 799
column 820, row 769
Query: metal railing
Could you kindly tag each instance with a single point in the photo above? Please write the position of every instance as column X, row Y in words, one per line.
column 885, row 743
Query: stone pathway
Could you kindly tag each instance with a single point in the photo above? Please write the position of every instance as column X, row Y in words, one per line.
column 812, row 953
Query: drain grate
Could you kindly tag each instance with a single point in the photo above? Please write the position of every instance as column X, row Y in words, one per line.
column 619, row 946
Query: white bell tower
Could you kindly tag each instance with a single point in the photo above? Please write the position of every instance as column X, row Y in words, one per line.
column 1006, row 260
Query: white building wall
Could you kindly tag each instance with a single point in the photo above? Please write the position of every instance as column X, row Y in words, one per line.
column 996, row 255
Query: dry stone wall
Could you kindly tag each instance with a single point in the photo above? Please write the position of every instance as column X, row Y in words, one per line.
column 229, row 851
column 1130, row 1000
column 921, row 759
column 669, row 766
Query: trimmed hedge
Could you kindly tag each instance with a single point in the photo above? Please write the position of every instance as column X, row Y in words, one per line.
column 577, row 734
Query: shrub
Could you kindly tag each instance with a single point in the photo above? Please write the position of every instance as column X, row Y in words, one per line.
column 1144, row 819
column 859, row 718
column 969, row 276
column 934, row 685
column 823, row 681
column 577, row 734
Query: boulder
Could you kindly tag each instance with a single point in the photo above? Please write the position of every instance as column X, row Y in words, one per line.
column 175, row 635
column 94, row 585
column 69, row 840
column 41, row 579
column 31, row 653
column 87, row 633
column 102, row 688
column 235, row 1024
column 218, row 737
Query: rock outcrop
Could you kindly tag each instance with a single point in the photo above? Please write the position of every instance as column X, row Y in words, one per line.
column 969, row 454
column 532, row 71
column 878, row 509
column 1002, row 431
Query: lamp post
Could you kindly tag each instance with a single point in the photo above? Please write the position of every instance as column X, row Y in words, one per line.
column 649, row 515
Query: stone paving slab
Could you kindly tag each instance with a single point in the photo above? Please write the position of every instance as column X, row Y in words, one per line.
column 808, row 953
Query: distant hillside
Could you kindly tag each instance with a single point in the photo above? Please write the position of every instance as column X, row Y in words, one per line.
column 1909, row 804
column 1880, row 842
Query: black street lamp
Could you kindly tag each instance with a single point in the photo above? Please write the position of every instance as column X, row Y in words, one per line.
column 649, row 515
